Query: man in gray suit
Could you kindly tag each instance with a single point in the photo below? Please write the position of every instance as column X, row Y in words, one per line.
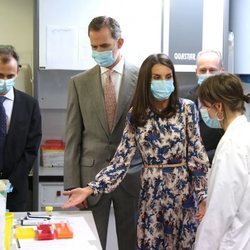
column 91, row 143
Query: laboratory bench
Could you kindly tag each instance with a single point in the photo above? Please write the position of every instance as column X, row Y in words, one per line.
column 81, row 222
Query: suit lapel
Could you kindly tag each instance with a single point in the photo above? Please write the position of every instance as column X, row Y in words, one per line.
column 94, row 88
column 16, row 118
column 16, row 111
column 125, row 94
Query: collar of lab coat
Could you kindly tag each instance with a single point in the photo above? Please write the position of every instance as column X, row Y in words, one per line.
column 235, row 123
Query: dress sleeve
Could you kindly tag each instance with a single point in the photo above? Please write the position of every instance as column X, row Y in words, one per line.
column 111, row 176
column 197, row 159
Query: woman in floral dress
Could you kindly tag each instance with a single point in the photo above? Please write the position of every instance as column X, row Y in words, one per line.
column 173, row 181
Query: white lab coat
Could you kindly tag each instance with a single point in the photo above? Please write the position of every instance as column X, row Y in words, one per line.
column 226, row 224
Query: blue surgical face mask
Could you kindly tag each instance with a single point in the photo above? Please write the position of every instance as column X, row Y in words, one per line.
column 104, row 58
column 162, row 89
column 201, row 78
column 6, row 85
column 212, row 123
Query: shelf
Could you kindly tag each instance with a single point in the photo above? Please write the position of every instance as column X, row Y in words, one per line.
column 50, row 171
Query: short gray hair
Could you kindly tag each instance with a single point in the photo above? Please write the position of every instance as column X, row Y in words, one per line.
column 211, row 51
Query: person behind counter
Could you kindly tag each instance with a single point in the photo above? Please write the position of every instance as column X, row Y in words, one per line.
column 226, row 224
column 166, row 131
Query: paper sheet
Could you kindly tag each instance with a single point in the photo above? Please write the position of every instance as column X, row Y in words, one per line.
column 62, row 47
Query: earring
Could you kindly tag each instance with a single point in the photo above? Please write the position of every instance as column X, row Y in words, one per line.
column 222, row 116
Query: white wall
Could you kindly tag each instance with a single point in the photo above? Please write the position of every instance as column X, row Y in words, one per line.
column 16, row 27
column 63, row 25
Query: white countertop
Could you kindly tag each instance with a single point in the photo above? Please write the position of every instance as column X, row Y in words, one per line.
column 82, row 223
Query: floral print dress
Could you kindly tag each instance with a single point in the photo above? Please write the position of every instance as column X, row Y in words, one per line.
column 169, row 195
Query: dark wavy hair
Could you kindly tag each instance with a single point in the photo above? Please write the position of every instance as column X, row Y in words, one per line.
column 143, row 97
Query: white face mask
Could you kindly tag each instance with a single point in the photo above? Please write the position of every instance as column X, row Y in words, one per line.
column 6, row 85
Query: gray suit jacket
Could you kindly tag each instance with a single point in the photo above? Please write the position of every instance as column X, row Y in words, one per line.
column 89, row 144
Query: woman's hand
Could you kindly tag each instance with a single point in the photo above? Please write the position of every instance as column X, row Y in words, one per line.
column 77, row 197
column 201, row 211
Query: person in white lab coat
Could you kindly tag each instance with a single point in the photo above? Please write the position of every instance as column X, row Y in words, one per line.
column 226, row 223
